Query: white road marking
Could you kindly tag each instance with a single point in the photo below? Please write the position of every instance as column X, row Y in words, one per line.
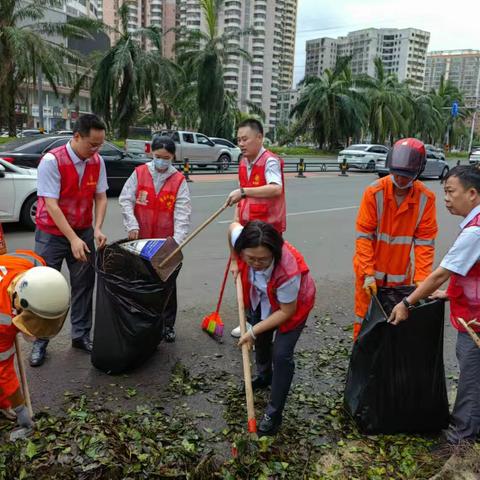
column 309, row 212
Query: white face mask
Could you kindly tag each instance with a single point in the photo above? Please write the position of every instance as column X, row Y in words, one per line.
column 161, row 163
column 405, row 187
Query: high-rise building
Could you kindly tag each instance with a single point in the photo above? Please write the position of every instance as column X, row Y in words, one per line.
column 460, row 67
column 272, row 47
column 144, row 13
column 402, row 51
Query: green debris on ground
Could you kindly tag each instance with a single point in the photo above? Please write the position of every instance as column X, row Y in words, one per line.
column 317, row 440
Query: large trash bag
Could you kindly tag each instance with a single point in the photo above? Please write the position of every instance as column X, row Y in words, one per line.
column 396, row 377
column 130, row 302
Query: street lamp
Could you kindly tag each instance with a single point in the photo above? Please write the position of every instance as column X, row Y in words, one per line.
column 472, row 130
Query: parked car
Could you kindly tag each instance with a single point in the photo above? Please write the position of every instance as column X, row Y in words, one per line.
column 18, row 194
column 29, row 133
column 474, row 158
column 435, row 167
column 234, row 149
column 199, row 149
column 435, row 151
column 363, row 156
column 28, row 152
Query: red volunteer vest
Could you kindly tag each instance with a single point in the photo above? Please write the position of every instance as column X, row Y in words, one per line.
column 464, row 293
column 155, row 213
column 292, row 263
column 269, row 210
column 76, row 201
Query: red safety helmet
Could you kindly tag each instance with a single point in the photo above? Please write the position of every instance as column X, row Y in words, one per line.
column 407, row 158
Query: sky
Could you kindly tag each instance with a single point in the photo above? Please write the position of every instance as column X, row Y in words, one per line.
column 452, row 27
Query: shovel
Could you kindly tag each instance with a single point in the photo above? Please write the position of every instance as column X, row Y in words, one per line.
column 247, row 374
column 173, row 258
column 469, row 329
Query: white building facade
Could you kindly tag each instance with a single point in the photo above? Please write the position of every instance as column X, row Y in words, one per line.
column 403, row 52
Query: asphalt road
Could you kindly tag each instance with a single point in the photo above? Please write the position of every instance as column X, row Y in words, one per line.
column 321, row 223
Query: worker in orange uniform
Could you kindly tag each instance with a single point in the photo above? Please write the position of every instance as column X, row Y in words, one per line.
column 397, row 214
column 34, row 300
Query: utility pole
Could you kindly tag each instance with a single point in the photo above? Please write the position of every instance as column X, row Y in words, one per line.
column 474, row 117
column 40, row 96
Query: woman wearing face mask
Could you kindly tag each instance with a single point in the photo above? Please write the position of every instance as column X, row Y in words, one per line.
column 279, row 293
column 155, row 203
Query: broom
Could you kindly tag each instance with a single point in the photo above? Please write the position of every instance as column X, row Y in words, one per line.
column 212, row 323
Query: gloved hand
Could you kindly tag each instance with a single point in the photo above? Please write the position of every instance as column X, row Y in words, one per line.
column 370, row 285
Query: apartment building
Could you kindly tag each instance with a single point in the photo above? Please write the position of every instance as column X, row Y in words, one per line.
column 143, row 13
column 402, row 51
column 287, row 99
column 272, row 48
column 461, row 67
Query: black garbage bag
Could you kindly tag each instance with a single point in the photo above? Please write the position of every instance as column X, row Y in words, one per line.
column 130, row 302
column 396, row 377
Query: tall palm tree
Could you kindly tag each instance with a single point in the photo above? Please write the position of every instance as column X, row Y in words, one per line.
column 128, row 76
column 388, row 104
column 331, row 107
column 27, row 46
column 205, row 54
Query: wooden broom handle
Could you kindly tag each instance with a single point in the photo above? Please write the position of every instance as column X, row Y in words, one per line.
column 247, row 376
column 193, row 235
column 23, row 376
column 470, row 331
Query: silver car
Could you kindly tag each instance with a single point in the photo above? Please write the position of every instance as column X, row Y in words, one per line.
column 474, row 158
column 433, row 168
column 236, row 152
column 363, row 156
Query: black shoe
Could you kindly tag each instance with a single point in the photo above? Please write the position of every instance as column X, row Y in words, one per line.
column 259, row 382
column 269, row 425
column 170, row 334
column 82, row 343
column 38, row 353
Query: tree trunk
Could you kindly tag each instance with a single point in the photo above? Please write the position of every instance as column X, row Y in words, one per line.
column 10, row 104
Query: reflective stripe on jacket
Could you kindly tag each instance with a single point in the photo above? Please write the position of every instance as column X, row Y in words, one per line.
column 464, row 293
column 386, row 233
column 268, row 210
column 12, row 265
column 155, row 213
column 291, row 264
column 76, row 200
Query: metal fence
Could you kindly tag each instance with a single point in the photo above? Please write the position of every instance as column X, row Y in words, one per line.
column 301, row 166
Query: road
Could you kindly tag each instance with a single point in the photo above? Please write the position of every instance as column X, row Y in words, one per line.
column 321, row 219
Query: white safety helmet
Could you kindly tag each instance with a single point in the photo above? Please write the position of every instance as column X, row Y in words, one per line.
column 44, row 292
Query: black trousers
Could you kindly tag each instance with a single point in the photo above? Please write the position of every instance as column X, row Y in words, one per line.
column 55, row 249
column 274, row 359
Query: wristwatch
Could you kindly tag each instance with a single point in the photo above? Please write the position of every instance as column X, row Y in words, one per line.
column 407, row 304
column 242, row 193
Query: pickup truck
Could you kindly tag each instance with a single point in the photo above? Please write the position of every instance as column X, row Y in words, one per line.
column 200, row 150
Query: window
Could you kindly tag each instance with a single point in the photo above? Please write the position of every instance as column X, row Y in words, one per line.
column 203, row 140
column 188, row 137
column 109, row 150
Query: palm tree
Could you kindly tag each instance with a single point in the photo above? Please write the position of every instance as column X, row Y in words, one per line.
column 331, row 106
column 388, row 104
column 205, row 54
column 27, row 47
column 128, row 76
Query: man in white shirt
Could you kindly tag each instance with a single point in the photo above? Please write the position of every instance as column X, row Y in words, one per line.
column 72, row 181
column 462, row 266
column 261, row 195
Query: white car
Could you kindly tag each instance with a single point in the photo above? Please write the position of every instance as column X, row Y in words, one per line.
column 474, row 158
column 18, row 194
column 236, row 152
column 363, row 156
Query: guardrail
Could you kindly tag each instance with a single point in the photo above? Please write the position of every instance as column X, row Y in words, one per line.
column 301, row 166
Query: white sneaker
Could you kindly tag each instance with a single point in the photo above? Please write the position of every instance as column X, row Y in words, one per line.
column 236, row 331
column 8, row 413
